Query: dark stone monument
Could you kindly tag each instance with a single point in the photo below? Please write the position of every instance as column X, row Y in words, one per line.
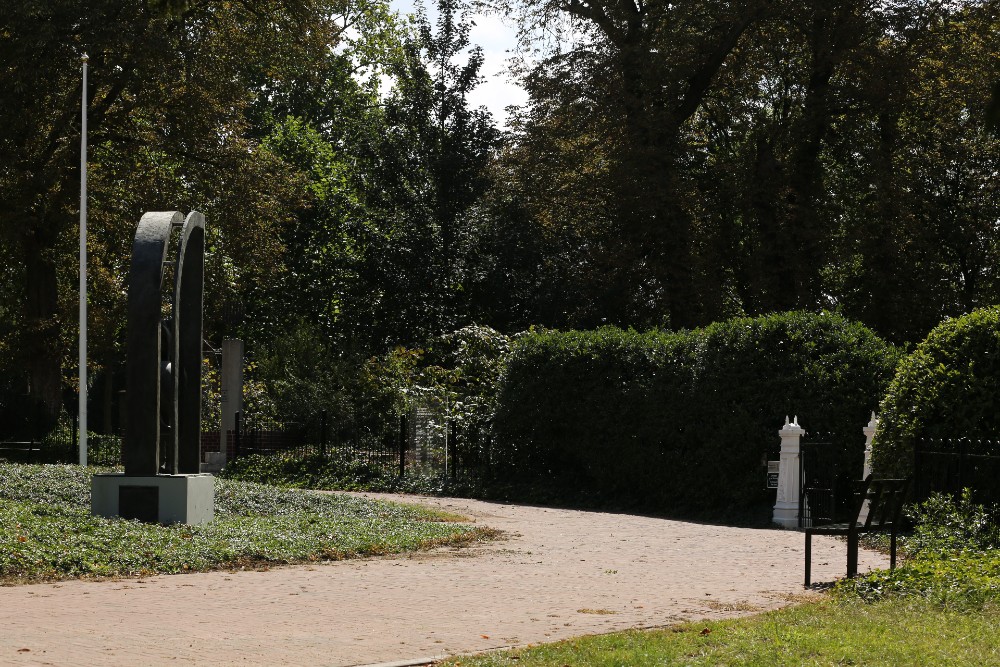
column 161, row 447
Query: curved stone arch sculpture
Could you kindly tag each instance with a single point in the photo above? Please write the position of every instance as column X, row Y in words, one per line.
column 189, row 289
column 142, row 444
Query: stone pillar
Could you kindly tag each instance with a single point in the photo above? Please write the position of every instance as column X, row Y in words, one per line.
column 869, row 432
column 786, row 509
column 232, row 390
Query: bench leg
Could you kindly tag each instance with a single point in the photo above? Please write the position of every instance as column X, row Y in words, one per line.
column 892, row 551
column 808, row 557
column 852, row 555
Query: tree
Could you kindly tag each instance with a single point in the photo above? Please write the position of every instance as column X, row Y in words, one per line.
column 914, row 213
column 647, row 68
column 792, row 182
column 172, row 86
column 429, row 170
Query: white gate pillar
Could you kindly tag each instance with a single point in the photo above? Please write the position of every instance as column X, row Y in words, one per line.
column 869, row 432
column 786, row 509
column 869, row 439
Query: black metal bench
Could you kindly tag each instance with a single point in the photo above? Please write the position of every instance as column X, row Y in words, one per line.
column 19, row 451
column 884, row 499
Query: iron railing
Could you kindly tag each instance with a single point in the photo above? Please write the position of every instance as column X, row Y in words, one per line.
column 949, row 465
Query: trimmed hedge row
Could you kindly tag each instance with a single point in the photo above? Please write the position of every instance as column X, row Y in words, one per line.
column 947, row 388
column 679, row 421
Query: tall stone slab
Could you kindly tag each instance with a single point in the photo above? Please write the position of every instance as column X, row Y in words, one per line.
column 232, row 390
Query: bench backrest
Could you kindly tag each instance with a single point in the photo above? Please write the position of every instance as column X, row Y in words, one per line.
column 885, row 502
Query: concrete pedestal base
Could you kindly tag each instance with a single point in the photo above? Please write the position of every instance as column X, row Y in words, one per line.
column 214, row 462
column 786, row 515
column 163, row 499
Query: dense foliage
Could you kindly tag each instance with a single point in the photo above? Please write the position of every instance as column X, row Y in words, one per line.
column 176, row 98
column 681, row 421
column 945, row 390
column 675, row 164
column 697, row 160
column 47, row 531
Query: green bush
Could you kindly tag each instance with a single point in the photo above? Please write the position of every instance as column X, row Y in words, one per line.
column 307, row 472
column 945, row 525
column 302, row 375
column 680, row 421
column 947, row 388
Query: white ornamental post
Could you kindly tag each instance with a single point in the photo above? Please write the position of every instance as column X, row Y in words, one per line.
column 869, row 432
column 786, row 509
column 869, row 439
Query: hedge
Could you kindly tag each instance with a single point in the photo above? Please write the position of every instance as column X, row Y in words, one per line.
column 946, row 389
column 679, row 421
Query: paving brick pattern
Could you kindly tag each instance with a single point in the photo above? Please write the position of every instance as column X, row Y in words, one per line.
column 559, row 573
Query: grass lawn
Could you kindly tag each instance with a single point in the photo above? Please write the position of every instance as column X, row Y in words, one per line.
column 47, row 532
column 940, row 607
column 890, row 632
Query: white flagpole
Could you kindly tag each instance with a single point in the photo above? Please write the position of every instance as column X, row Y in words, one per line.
column 82, row 411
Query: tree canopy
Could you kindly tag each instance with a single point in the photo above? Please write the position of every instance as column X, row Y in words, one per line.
column 677, row 163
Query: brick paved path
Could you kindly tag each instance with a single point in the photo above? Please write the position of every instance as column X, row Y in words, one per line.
column 559, row 574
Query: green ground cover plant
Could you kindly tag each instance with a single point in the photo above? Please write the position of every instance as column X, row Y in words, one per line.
column 952, row 558
column 343, row 473
column 47, row 532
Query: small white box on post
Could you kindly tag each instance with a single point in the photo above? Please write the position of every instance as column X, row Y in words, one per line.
column 786, row 509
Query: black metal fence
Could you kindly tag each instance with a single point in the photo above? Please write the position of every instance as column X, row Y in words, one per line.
column 268, row 437
column 951, row 465
column 25, row 441
column 830, row 466
column 397, row 444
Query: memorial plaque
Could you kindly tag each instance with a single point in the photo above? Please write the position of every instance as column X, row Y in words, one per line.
column 772, row 474
column 139, row 502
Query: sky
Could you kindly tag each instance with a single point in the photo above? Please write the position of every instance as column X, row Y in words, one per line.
column 497, row 90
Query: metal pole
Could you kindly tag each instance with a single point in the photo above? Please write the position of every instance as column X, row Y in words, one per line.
column 237, row 436
column 322, row 438
column 83, row 270
column 454, row 449
column 402, row 445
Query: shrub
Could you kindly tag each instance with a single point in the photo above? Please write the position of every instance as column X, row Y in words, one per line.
column 301, row 375
column 944, row 525
column 457, row 374
column 946, row 388
column 680, row 421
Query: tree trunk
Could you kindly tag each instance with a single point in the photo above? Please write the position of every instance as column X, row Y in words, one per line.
column 40, row 345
